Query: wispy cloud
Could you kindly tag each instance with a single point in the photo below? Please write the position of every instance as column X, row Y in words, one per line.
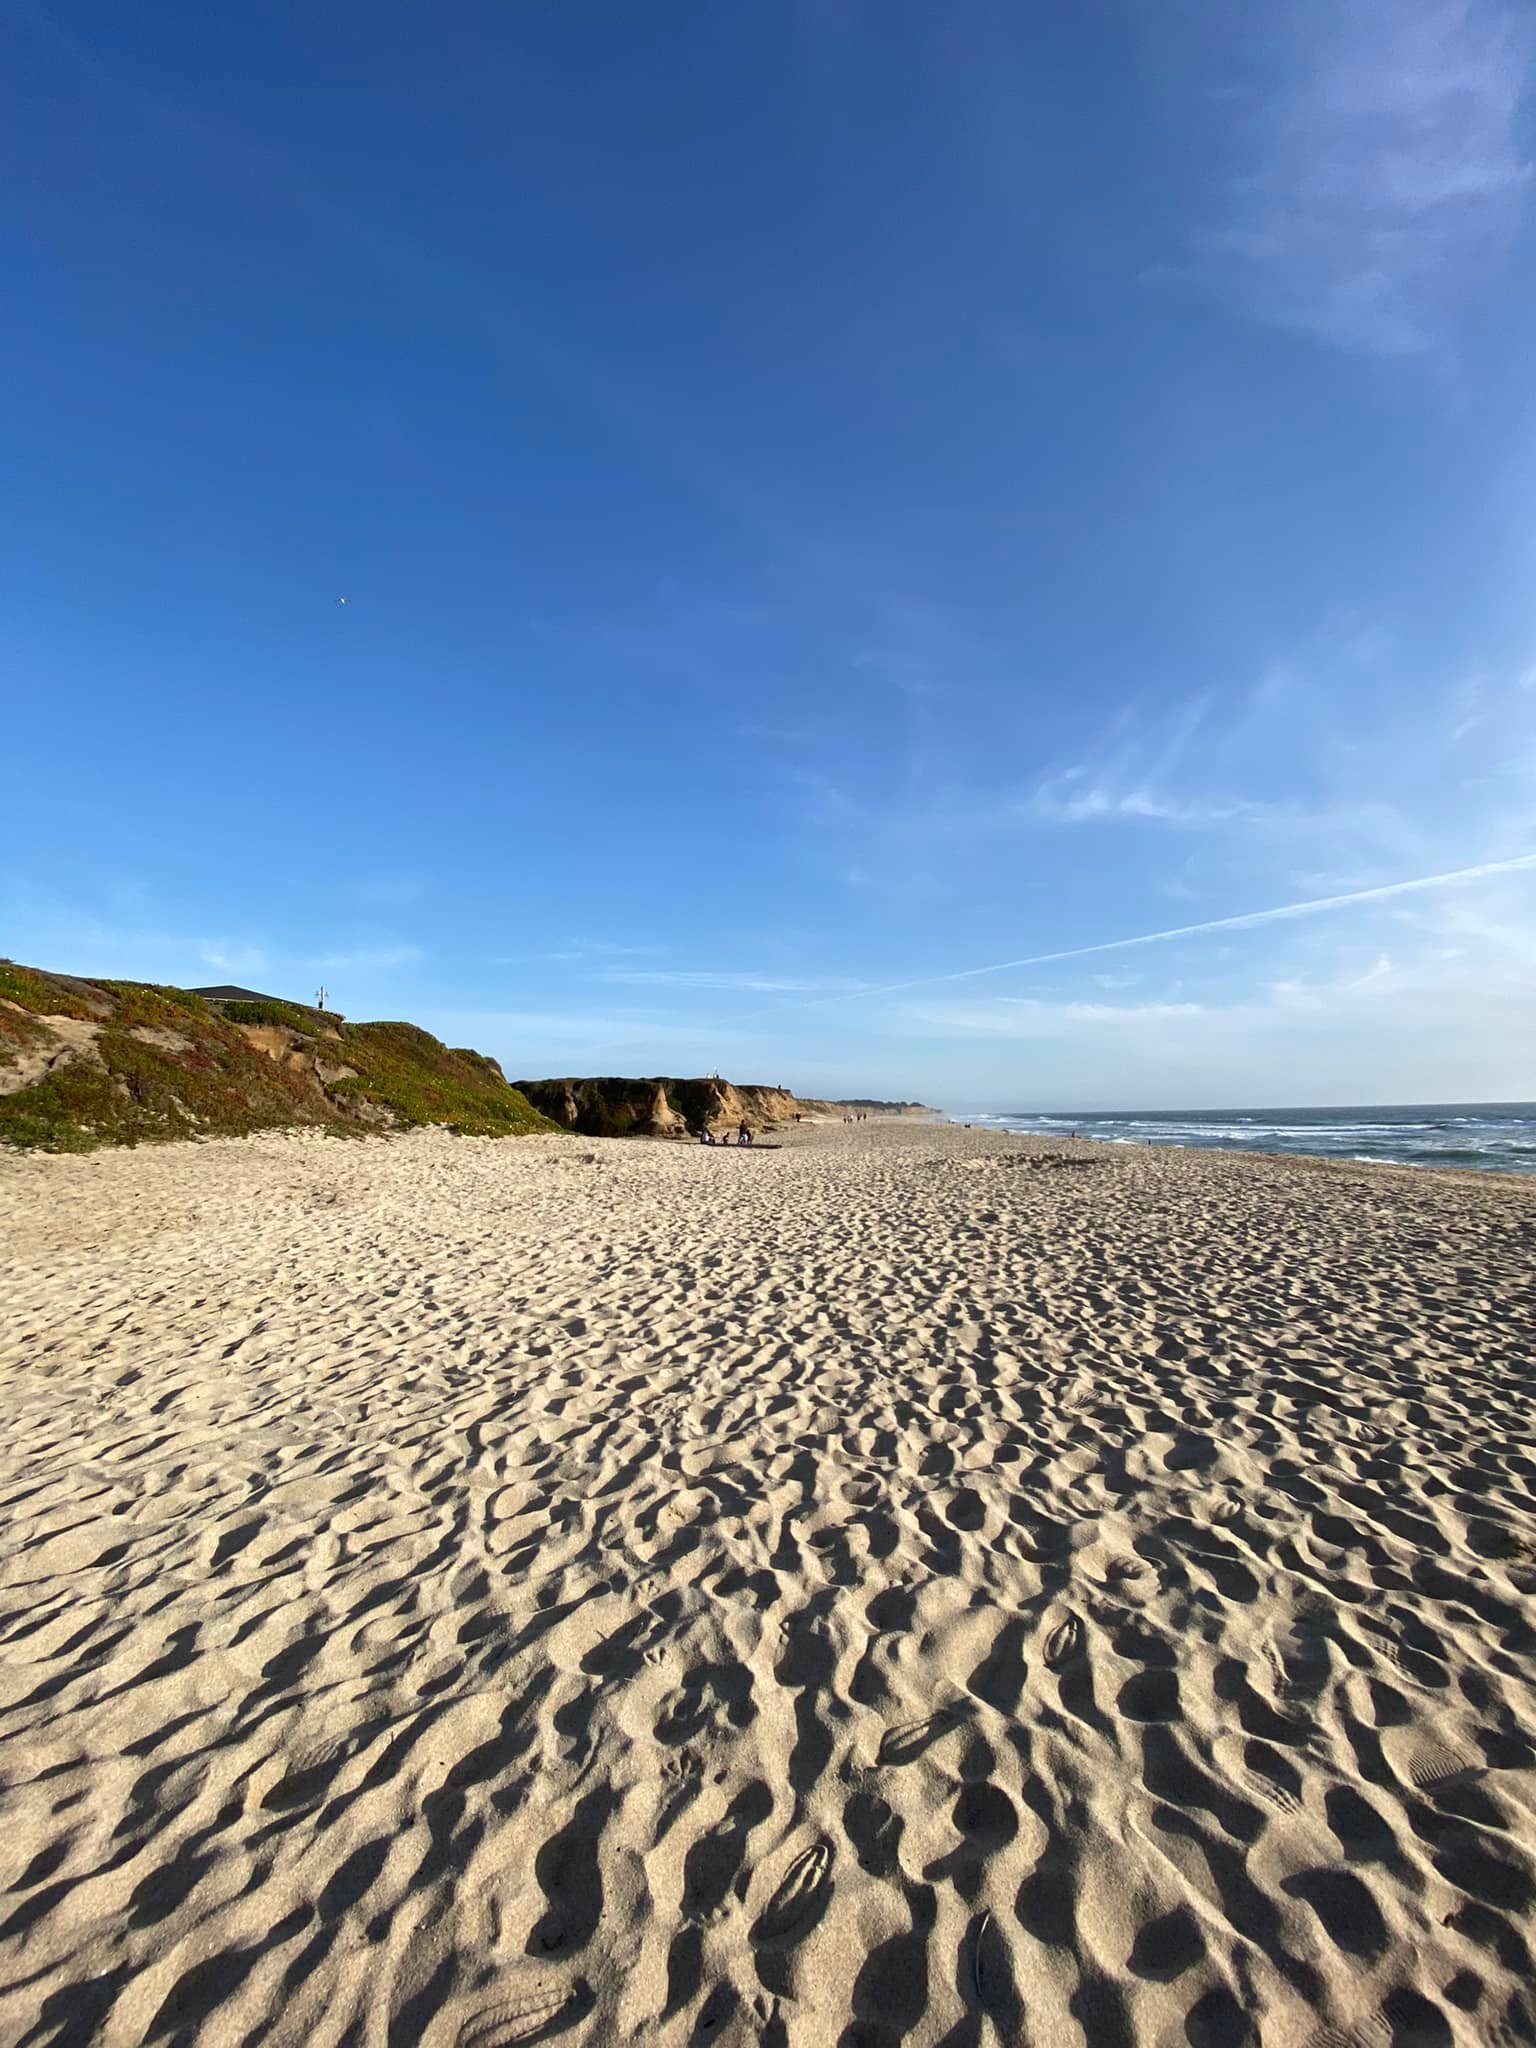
column 573, row 952
column 540, row 1043
column 750, row 983
column 1382, row 158
column 229, row 956
column 1140, row 772
column 1378, row 1025
column 377, row 959
column 1428, row 981
column 1031, row 1017
column 1469, row 708
column 1075, row 798
column 576, row 1030
column 1246, row 921
column 121, row 934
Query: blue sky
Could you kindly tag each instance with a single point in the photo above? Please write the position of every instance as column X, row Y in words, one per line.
column 831, row 496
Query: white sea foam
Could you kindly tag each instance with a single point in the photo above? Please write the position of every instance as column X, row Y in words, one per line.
column 1498, row 1136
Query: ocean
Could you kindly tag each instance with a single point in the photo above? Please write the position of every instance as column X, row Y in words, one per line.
column 1496, row 1136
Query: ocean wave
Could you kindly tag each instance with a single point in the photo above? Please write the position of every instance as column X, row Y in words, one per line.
column 1450, row 1136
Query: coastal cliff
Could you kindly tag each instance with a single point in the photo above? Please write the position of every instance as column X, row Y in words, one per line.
column 86, row 1063
column 662, row 1106
column 610, row 1106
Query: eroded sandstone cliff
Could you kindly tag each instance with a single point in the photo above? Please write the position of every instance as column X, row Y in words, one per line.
column 662, row 1106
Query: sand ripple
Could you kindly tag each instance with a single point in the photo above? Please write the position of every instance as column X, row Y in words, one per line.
column 483, row 1594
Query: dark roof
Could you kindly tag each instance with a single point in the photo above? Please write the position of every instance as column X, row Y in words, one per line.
column 226, row 992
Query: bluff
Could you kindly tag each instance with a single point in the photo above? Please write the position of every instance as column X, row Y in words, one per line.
column 609, row 1106
column 86, row 1063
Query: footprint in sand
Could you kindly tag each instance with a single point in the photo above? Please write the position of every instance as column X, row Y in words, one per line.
column 800, row 1900
column 542, row 2013
column 1425, row 1762
column 1064, row 1642
column 1258, row 1767
column 1124, row 1571
column 1375, row 2032
column 905, row 1744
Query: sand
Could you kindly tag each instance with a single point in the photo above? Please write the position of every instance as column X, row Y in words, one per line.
column 877, row 1590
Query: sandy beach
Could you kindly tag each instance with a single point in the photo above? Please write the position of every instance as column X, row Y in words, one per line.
column 910, row 1585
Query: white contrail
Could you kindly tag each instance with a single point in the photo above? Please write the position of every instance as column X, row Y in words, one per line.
column 1219, row 924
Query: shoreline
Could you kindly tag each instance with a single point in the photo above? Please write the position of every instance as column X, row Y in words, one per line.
column 1389, row 1124
column 906, row 1579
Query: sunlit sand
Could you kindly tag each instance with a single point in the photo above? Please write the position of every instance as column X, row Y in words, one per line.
column 915, row 1585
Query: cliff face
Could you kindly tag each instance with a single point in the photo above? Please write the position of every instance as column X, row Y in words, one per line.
column 87, row 1063
column 607, row 1107
column 660, row 1107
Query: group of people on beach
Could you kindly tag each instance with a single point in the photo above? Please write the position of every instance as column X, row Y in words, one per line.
column 744, row 1129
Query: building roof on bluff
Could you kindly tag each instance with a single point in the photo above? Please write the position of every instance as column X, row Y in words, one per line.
column 226, row 992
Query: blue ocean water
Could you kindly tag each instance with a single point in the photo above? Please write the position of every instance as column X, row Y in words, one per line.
column 1499, row 1136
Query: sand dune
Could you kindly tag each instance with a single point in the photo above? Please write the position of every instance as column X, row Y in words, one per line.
column 882, row 1590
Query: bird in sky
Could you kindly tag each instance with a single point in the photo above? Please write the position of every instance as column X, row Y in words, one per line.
column 343, row 600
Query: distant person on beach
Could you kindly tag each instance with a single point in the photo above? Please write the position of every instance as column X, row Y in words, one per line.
column 706, row 1136
column 743, row 1136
